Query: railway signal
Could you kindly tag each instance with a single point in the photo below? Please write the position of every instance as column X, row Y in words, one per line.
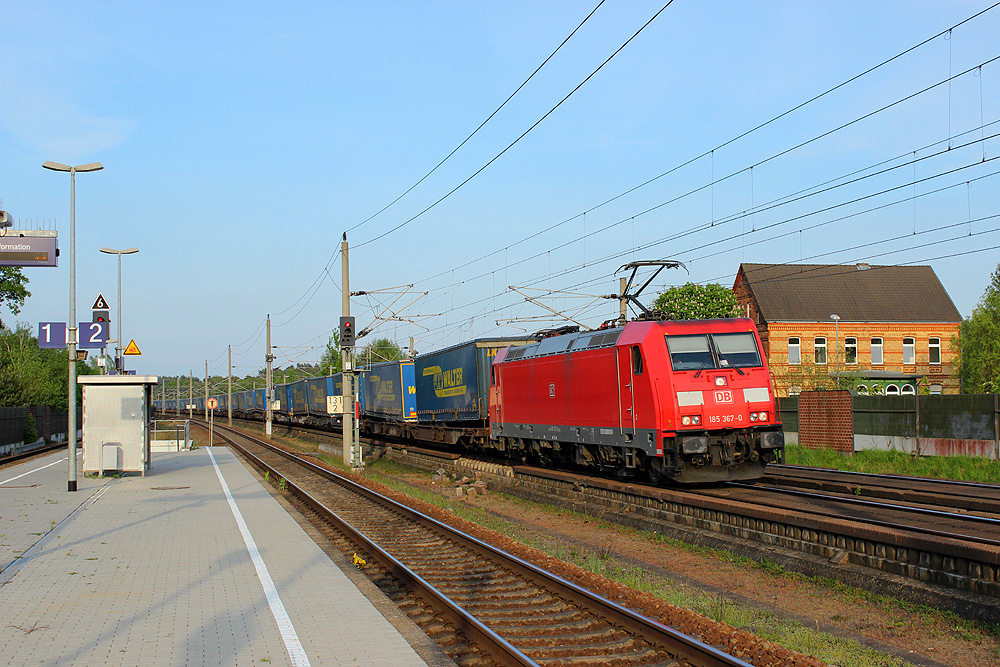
column 347, row 331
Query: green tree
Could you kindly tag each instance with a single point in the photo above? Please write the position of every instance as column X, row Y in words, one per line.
column 332, row 362
column 979, row 342
column 697, row 302
column 380, row 350
column 32, row 376
column 12, row 289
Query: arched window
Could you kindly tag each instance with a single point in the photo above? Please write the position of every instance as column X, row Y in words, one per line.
column 862, row 390
column 794, row 351
column 819, row 349
column 907, row 390
column 891, row 390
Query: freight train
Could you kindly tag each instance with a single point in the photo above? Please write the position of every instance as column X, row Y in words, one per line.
column 688, row 401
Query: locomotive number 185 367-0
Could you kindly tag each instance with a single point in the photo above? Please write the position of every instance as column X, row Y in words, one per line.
column 724, row 419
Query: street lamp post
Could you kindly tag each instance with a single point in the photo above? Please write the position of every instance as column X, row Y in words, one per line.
column 71, row 327
column 836, row 346
column 119, row 360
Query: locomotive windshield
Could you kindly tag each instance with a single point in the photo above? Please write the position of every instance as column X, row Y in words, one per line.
column 717, row 350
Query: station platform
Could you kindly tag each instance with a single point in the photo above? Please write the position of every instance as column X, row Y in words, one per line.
column 197, row 563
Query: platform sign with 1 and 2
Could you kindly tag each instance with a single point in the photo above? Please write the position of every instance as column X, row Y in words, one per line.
column 54, row 335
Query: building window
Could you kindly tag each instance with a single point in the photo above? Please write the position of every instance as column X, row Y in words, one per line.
column 794, row 391
column 934, row 347
column 819, row 349
column 876, row 351
column 794, row 351
column 891, row 390
column 907, row 390
column 935, row 390
column 850, row 350
column 909, row 354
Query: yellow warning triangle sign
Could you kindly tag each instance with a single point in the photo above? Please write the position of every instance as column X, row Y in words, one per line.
column 132, row 348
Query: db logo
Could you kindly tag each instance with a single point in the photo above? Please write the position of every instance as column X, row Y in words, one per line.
column 725, row 396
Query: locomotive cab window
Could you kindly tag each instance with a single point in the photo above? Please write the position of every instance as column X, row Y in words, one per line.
column 736, row 349
column 689, row 353
column 636, row 360
column 720, row 350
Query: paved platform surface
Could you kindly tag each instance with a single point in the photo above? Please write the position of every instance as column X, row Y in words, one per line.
column 155, row 570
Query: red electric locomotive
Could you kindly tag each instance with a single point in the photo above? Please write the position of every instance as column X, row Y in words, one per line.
column 688, row 400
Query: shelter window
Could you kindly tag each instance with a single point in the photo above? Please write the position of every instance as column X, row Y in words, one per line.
column 636, row 360
column 891, row 390
column 907, row 390
column 862, row 390
column 850, row 350
column 794, row 351
column 876, row 351
column 934, row 350
column 819, row 349
column 909, row 347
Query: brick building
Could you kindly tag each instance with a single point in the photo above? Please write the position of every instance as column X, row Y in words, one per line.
column 874, row 329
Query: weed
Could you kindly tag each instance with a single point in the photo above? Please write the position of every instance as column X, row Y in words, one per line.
column 282, row 483
column 267, row 476
column 28, row 631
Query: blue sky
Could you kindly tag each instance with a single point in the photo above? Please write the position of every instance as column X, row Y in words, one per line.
column 240, row 140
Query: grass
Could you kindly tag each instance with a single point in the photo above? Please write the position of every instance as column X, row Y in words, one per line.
column 964, row 468
column 790, row 634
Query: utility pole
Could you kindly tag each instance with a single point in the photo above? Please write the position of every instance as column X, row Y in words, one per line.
column 268, row 358
column 352, row 448
column 178, row 394
column 229, row 398
column 206, row 390
column 191, row 395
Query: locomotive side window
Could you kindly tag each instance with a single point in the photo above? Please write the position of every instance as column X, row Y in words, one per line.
column 690, row 353
column 636, row 360
column 736, row 349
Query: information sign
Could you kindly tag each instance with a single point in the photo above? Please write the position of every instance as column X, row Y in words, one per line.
column 28, row 251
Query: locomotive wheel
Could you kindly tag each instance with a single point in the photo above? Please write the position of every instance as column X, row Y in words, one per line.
column 654, row 476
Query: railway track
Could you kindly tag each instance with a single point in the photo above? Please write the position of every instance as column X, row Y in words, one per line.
column 511, row 611
column 961, row 496
column 946, row 558
column 21, row 456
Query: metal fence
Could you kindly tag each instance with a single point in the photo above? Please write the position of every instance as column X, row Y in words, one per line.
column 50, row 424
column 939, row 424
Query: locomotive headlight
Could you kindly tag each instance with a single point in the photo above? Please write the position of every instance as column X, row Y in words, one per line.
column 753, row 416
column 720, row 381
column 685, row 421
column 696, row 420
column 762, row 416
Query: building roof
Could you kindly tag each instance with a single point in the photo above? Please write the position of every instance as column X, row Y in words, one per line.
column 857, row 293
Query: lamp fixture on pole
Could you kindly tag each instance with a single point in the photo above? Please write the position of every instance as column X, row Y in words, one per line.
column 119, row 359
column 71, row 326
column 836, row 346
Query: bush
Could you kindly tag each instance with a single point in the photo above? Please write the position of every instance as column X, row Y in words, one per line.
column 31, row 430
